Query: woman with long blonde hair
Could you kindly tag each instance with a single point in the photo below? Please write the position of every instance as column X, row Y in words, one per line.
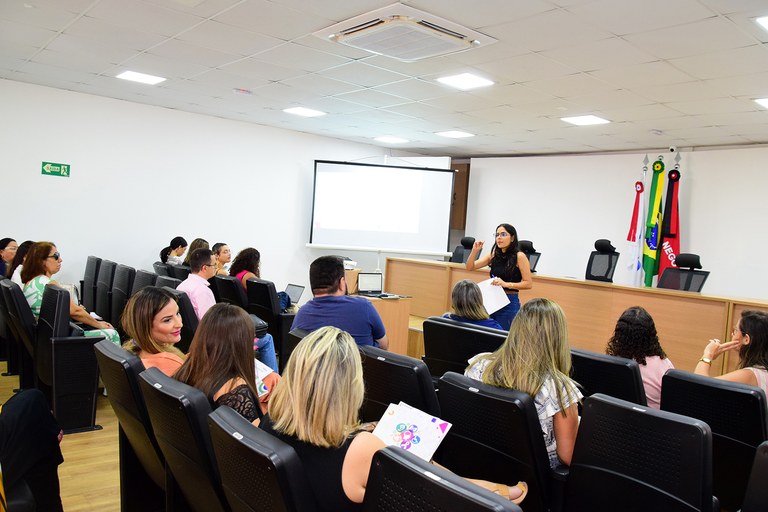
column 536, row 359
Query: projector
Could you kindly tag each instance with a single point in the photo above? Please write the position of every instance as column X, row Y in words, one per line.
column 350, row 265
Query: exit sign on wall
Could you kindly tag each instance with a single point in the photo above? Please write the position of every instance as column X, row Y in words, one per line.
column 54, row 169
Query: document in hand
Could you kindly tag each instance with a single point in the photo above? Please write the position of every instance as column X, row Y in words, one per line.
column 494, row 297
column 412, row 430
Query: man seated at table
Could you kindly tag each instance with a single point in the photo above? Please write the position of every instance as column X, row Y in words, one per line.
column 332, row 306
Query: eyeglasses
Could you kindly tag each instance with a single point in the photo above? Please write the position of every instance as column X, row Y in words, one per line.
column 56, row 256
column 735, row 330
column 501, row 235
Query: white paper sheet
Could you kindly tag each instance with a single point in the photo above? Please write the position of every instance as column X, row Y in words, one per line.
column 411, row 429
column 494, row 297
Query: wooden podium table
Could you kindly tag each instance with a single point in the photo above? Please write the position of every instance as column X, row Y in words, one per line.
column 395, row 314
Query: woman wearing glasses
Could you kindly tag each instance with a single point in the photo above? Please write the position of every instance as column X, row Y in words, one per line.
column 43, row 260
column 750, row 340
column 510, row 269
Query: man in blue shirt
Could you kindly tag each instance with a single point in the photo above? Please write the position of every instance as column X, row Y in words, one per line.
column 332, row 306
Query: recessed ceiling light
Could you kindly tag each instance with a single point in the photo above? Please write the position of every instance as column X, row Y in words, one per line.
column 465, row 81
column 305, row 112
column 584, row 120
column 763, row 22
column 133, row 76
column 763, row 102
column 455, row 134
column 391, row 140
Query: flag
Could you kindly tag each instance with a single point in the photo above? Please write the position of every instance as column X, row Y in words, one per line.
column 653, row 224
column 636, row 232
column 670, row 234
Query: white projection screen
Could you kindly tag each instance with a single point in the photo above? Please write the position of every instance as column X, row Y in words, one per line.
column 381, row 207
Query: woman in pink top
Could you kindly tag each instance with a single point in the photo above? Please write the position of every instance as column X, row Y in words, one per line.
column 247, row 265
column 750, row 339
column 635, row 338
column 151, row 318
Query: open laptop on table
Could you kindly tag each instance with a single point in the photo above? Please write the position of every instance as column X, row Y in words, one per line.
column 294, row 291
column 370, row 284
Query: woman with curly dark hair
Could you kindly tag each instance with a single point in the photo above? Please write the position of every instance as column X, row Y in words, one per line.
column 635, row 338
column 247, row 265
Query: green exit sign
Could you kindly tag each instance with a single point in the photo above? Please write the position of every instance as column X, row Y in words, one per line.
column 54, row 169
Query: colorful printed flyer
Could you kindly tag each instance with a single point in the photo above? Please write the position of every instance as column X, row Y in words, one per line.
column 411, row 429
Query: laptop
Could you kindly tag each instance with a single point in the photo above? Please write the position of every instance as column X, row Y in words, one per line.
column 370, row 284
column 294, row 291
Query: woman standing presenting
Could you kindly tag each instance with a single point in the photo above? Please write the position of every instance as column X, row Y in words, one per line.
column 510, row 269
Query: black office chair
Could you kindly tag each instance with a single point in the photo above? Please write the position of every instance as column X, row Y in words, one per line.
column 230, row 290
column 613, row 376
column 602, row 262
column 142, row 465
column 9, row 350
column 66, row 366
column 756, row 497
column 23, row 325
column 104, row 290
column 449, row 344
column 259, row 472
column 142, row 280
column 180, row 272
column 19, row 363
column 461, row 252
column 633, row 458
column 526, row 246
column 290, row 342
column 88, row 284
column 165, row 281
column 263, row 302
column 122, row 284
column 738, row 416
column 496, row 436
column 391, row 378
column 399, row 480
column 188, row 318
column 161, row 268
column 179, row 417
column 686, row 276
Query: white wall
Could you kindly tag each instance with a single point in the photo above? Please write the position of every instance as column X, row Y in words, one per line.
column 564, row 203
column 142, row 175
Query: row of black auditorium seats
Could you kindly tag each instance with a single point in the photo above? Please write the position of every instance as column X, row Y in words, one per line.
column 185, row 457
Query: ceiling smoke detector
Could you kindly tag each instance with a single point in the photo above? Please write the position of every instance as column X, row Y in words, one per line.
column 404, row 33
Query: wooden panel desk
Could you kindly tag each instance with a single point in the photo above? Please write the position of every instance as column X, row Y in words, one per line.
column 685, row 321
column 395, row 314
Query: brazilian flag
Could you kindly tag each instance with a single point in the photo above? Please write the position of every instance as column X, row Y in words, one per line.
column 653, row 224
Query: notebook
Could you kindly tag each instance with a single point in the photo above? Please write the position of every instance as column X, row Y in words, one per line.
column 294, row 291
column 411, row 429
column 370, row 284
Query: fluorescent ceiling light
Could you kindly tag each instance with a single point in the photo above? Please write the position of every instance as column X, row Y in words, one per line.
column 455, row 134
column 133, row 76
column 763, row 102
column 763, row 22
column 391, row 140
column 465, row 81
column 584, row 120
column 302, row 111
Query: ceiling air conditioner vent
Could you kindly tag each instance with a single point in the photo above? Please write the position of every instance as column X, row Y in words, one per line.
column 404, row 33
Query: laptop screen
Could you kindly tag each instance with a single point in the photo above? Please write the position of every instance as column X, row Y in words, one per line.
column 369, row 282
column 294, row 291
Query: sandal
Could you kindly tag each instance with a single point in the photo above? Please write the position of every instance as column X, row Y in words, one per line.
column 504, row 490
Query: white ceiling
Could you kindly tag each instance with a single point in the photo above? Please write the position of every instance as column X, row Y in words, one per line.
column 665, row 72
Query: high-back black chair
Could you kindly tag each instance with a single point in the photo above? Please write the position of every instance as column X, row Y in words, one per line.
column 230, row 290
column 399, row 480
column 290, row 342
column 142, row 465
column 19, row 361
column 121, row 291
column 88, row 284
column 392, row 378
column 449, row 344
column 736, row 413
column 179, row 417
column 104, row 290
column 66, row 365
column 636, row 458
column 259, row 472
column 613, row 376
column 496, row 436
column 756, row 497
column 461, row 252
column 142, row 280
column 165, row 281
column 188, row 319
column 602, row 262
column 686, row 275
column 526, row 247
column 23, row 325
column 161, row 268
column 263, row 302
column 9, row 349
column 180, row 272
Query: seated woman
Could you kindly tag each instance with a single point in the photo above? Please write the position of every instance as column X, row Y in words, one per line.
column 467, row 304
column 197, row 243
column 18, row 262
column 315, row 410
column 43, row 260
column 635, row 338
column 221, row 365
column 223, row 257
column 151, row 318
column 8, row 247
column 247, row 265
column 536, row 359
column 174, row 252
column 750, row 339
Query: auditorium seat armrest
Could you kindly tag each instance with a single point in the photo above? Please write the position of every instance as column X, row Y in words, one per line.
column 559, row 481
